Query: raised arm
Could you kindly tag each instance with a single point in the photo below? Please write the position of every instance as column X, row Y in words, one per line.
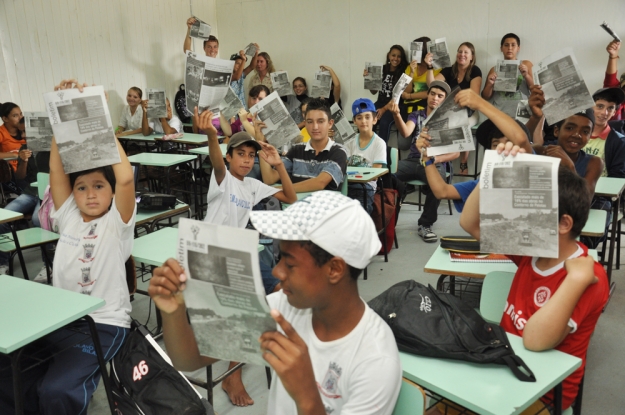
column 225, row 125
column 470, row 216
column 252, row 64
column 187, row 38
column 269, row 174
column 335, row 81
column 613, row 49
column 526, row 71
column 236, row 75
column 124, row 186
column 204, row 122
column 537, row 119
column 404, row 128
column 145, row 125
column 487, row 92
column 270, row 156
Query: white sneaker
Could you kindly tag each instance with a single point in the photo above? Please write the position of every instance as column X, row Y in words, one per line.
column 42, row 277
column 4, row 269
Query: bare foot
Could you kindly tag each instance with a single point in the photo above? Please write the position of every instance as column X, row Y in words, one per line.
column 233, row 386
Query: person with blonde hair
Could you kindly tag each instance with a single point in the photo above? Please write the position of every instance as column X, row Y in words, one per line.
column 264, row 66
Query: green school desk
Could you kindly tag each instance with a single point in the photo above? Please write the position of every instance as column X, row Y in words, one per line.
column 8, row 216
column 611, row 187
column 595, row 225
column 149, row 218
column 22, row 320
column 203, row 151
column 188, row 138
column 491, row 389
column 368, row 174
column 139, row 138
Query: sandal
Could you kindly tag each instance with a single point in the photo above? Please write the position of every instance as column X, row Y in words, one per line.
column 464, row 168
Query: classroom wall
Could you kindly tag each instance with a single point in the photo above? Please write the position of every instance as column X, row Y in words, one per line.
column 115, row 43
column 344, row 34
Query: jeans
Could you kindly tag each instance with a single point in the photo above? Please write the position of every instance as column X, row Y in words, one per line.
column 355, row 191
column 411, row 169
column 25, row 204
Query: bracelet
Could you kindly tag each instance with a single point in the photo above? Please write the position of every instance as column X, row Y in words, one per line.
column 430, row 67
column 615, row 57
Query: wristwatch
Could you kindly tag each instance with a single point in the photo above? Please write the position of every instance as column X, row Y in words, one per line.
column 427, row 161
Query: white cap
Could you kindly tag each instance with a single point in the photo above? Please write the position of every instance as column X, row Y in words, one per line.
column 328, row 219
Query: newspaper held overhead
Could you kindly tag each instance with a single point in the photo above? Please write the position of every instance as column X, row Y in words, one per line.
column 416, row 50
column 519, row 205
column 523, row 112
column 38, row 131
column 200, row 30
column 250, row 50
column 565, row 90
column 449, row 128
column 608, row 29
column 440, row 54
column 281, row 129
column 207, row 81
column 507, row 75
column 343, row 131
column 82, row 128
column 321, row 85
column 400, row 86
column 230, row 105
column 225, row 297
column 373, row 79
column 280, row 83
column 157, row 106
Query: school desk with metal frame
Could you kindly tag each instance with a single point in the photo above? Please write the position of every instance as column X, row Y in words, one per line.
column 149, row 219
column 491, row 389
column 204, row 151
column 9, row 217
column 23, row 322
column 139, row 138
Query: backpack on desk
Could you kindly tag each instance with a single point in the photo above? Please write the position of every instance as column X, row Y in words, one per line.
column 435, row 324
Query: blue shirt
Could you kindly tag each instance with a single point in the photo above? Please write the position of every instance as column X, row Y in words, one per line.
column 464, row 190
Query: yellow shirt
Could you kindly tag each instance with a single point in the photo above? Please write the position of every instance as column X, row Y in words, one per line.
column 305, row 135
column 419, row 84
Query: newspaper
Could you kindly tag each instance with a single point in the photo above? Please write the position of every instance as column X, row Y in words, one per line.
column 321, row 85
column 281, row 129
column 608, row 29
column 230, row 105
column 38, row 131
column 200, row 30
column 225, row 297
column 157, row 106
column 343, row 131
column 250, row 50
column 519, row 205
column 400, row 86
column 523, row 112
column 280, row 83
column 82, row 128
column 207, row 81
column 507, row 75
column 565, row 90
column 440, row 54
column 449, row 128
column 416, row 50
column 373, row 80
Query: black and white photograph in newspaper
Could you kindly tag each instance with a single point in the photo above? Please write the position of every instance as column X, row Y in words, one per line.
column 416, row 49
column 200, row 29
column 507, row 75
column 280, row 128
column 38, row 131
column 321, row 84
column 373, row 77
column 440, row 54
column 230, row 105
column 343, row 131
column 157, row 106
column 280, row 83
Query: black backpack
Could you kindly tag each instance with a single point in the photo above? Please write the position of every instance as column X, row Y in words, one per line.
column 180, row 102
column 144, row 383
column 430, row 323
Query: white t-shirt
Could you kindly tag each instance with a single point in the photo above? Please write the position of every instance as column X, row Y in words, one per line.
column 373, row 153
column 90, row 259
column 131, row 122
column 359, row 374
column 174, row 122
column 231, row 202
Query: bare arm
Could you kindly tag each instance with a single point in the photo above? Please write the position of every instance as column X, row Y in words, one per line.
column 217, row 161
column 439, row 187
column 187, row 38
column 124, row 186
column 313, row 184
column 166, row 128
column 22, row 165
column 470, row 216
column 404, row 128
column 613, row 49
column 476, row 84
column 145, row 125
column 59, row 180
column 335, row 81
column 526, row 71
column 225, row 125
column 252, row 64
column 124, row 133
column 269, row 155
column 487, row 92
column 236, row 75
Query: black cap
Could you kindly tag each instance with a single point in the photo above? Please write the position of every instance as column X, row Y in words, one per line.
column 616, row 95
column 235, row 56
column 484, row 130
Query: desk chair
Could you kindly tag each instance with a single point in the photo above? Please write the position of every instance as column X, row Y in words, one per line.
column 29, row 238
column 449, row 175
column 411, row 399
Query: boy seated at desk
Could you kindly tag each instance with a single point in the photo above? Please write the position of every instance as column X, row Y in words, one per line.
column 324, row 364
column 554, row 303
column 166, row 126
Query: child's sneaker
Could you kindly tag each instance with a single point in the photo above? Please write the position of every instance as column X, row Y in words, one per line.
column 425, row 232
column 42, row 277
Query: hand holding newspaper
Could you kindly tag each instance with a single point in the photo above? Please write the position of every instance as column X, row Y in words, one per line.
column 519, row 205
column 200, row 30
column 207, row 81
column 373, row 77
column 280, row 83
column 280, row 128
column 82, row 128
column 565, row 90
column 250, row 50
column 448, row 127
column 230, row 105
column 608, row 29
column 38, row 131
column 507, row 75
column 157, row 106
column 343, row 131
column 440, row 54
column 400, row 86
column 321, row 84
column 225, row 297
column 416, row 49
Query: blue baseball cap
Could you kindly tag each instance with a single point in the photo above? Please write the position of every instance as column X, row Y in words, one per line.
column 363, row 105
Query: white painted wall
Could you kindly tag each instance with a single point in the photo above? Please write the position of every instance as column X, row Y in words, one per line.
column 115, row 43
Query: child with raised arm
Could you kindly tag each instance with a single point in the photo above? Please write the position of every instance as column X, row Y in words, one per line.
column 95, row 212
column 169, row 125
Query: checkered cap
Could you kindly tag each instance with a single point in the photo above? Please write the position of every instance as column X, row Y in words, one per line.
column 330, row 220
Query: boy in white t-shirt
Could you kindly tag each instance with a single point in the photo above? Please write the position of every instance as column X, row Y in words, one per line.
column 366, row 150
column 332, row 354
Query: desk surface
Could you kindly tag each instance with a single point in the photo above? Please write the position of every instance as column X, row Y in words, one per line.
column 160, row 159
column 595, row 225
column 147, row 216
column 203, row 151
column 22, row 307
column 9, row 216
column 140, row 137
column 368, row 174
column 187, row 138
column 609, row 186
column 490, row 389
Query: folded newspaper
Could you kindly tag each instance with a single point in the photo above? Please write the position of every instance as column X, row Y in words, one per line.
column 507, row 75
column 230, row 105
column 343, row 131
column 321, row 84
column 565, row 90
column 224, row 296
column 82, row 128
column 400, row 86
column 449, row 127
column 207, row 81
column 373, row 79
column 519, row 205
column 200, row 30
column 250, row 50
column 281, row 129
column 38, row 131
column 157, row 106
column 416, row 50
column 280, row 83
column 440, row 54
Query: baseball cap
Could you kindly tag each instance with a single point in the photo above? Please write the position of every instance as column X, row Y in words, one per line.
column 330, row 220
column 483, row 133
column 440, row 84
column 616, row 95
column 235, row 56
column 363, row 105
column 242, row 138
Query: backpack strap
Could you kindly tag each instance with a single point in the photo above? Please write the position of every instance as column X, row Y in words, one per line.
column 514, row 362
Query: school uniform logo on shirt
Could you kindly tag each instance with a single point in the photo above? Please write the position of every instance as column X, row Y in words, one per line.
column 91, row 234
column 88, row 253
column 330, row 385
column 85, row 279
column 541, row 296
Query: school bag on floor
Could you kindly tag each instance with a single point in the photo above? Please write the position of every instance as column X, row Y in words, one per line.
column 387, row 200
column 144, row 382
column 435, row 324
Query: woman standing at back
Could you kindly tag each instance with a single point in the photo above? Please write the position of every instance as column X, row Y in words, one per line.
column 264, row 66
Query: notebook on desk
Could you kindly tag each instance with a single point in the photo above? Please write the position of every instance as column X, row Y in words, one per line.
column 458, row 257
